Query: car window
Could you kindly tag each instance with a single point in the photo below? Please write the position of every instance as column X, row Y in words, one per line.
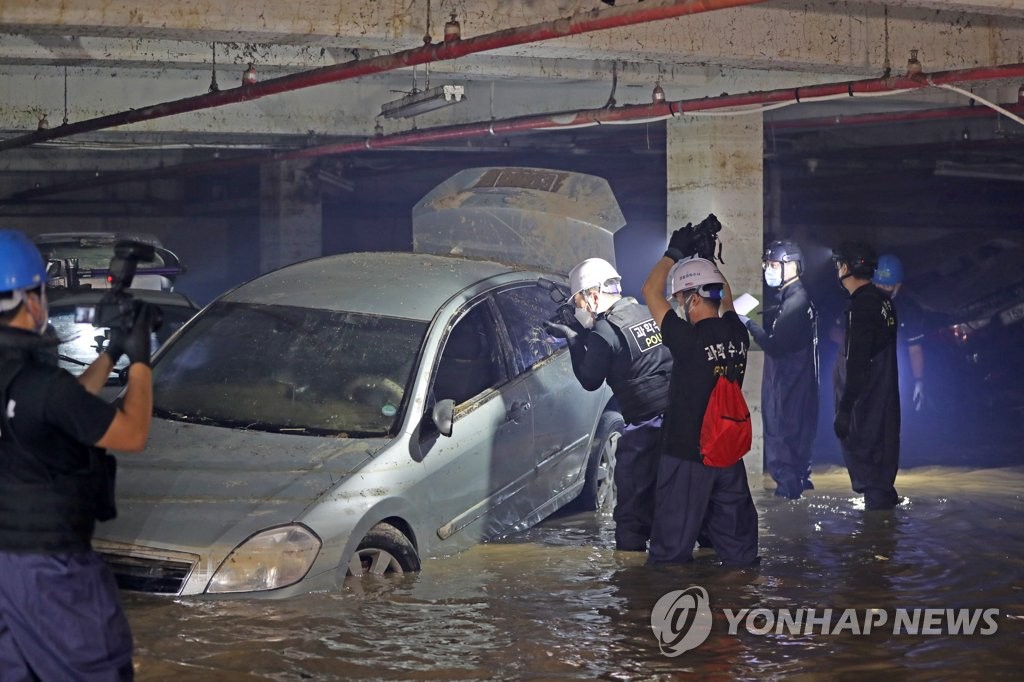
column 524, row 310
column 289, row 369
column 90, row 256
column 81, row 342
column 470, row 363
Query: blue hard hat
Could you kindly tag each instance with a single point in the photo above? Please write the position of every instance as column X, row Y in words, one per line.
column 21, row 264
column 889, row 271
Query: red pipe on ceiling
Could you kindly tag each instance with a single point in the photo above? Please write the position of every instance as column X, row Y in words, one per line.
column 584, row 22
column 629, row 113
column 639, row 112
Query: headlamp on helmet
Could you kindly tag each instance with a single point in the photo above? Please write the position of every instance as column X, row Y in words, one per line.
column 858, row 257
column 784, row 252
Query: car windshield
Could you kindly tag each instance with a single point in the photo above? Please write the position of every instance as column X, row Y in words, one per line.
column 91, row 256
column 288, row 369
column 81, row 342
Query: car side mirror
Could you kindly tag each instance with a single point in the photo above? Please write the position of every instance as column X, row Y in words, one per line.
column 443, row 415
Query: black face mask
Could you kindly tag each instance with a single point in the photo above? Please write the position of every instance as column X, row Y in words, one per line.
column 840, row 278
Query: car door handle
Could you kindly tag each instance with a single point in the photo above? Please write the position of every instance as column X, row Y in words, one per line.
column 517, row 410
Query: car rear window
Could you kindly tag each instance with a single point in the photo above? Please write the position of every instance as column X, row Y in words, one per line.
column 289, row 369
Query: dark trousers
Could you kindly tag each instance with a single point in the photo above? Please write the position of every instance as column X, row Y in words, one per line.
column 696, row 500
column 61, row 619
column 636, row 468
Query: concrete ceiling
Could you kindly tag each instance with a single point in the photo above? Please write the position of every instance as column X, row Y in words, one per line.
column 79, row 60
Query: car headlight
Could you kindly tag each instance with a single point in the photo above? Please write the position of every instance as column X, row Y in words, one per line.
column 270, row 559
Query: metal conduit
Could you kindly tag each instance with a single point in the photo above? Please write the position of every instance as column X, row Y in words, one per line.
column 584, row 22
column 553, row 121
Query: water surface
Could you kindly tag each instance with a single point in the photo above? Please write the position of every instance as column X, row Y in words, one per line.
column 557, row 602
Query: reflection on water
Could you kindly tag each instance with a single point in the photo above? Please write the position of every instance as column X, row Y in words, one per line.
column 558, row 602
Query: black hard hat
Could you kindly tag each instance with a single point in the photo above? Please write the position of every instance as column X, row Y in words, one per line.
column 859, row 257
column 783, row 252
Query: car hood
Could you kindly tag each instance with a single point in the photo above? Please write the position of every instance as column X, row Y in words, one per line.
column 195, row 487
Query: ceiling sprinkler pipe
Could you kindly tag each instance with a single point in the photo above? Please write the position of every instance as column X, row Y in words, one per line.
column 584, row 22
column 639, row 113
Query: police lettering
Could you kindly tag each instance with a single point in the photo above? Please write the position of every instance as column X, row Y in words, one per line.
column 647, row 335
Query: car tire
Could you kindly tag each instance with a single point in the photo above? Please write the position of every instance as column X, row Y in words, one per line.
column 598, row 492
column 384, row 550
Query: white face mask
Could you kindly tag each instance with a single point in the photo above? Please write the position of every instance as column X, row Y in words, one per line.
column 773, row 278
column 45, row 317
column 584, row 317
column 682, row 309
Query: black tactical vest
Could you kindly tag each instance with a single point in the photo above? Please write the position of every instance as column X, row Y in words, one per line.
column 642, row 365
column 42, row 510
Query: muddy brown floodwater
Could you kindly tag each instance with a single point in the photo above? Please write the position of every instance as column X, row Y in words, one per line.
column 557, row 602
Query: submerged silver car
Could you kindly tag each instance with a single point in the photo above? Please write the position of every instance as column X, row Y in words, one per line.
column 352, row 414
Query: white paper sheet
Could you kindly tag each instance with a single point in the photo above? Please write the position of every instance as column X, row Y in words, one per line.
column 744, row 303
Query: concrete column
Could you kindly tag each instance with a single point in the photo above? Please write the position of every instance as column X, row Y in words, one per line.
column 715, row 165
column 291, row 218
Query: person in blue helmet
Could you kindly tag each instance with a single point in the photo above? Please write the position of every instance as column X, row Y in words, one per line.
column 889, row 278
column 616, row 341
column 867, row 416
column 789, row 388
column 60, row 615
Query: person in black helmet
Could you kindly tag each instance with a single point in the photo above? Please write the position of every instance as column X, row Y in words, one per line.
column 867, row 420
column 60, row 614
column 789, row 389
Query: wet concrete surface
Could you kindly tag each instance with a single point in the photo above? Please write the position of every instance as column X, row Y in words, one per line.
column 558, row 602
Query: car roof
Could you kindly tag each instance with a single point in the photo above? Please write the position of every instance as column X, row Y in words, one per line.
column 59, row 299
column 99, row 237
column 406, row 285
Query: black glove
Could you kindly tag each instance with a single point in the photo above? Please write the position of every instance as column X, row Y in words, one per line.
column 841, row 425
column 561, row 331
column 679, row 243
column 115, row 345
column 137, row 341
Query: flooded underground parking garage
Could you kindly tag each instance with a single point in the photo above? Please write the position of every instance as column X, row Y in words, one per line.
column 557, row 602
column 249, row 137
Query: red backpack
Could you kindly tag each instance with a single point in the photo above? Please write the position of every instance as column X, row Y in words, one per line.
column 726, row 433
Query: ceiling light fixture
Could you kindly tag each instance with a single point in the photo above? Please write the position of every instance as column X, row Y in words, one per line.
column 422, row 101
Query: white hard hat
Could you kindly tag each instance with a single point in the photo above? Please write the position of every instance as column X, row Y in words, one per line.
column 593, row 272
column 693, row 273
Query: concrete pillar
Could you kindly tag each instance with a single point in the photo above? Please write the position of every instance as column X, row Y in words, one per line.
column 291, row 218
column 715, row 165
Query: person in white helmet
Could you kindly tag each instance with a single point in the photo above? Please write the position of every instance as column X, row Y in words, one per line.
column 707, row 340
column 617, row 342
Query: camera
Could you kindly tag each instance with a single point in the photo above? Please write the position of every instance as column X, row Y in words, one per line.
column 565, row 313
column 118, row 309
column 702, row 239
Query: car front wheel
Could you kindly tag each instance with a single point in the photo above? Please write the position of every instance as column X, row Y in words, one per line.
column 384, row 550
column 598, row 492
